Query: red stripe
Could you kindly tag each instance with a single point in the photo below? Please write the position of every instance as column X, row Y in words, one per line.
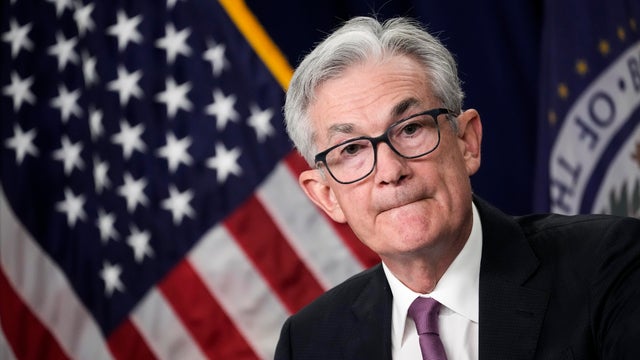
column 127, row 343
column 264, row 244
column 202, row 315
column 27, row 336
column 367, row 258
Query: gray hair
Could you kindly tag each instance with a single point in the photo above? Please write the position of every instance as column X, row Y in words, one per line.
column 358, row 40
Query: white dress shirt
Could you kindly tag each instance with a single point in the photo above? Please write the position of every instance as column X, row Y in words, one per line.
column 457, row 291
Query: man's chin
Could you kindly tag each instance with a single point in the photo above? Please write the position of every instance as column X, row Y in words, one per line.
column 404, row 250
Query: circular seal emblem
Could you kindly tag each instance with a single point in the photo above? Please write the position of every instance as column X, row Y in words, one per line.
column 595, row 161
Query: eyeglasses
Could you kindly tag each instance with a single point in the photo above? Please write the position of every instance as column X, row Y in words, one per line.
column 412, row 137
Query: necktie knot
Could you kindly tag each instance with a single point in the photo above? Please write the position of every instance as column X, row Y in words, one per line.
column 424, row 312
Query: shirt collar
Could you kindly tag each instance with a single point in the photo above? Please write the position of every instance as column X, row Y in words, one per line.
column 457, row 290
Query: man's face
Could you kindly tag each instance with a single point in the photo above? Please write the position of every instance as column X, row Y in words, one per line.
column 404, row 206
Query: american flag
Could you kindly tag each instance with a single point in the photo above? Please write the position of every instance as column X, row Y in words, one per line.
column 149, row 206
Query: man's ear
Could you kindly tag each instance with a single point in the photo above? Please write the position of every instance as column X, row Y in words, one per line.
column 470, row 136
column 317, row 189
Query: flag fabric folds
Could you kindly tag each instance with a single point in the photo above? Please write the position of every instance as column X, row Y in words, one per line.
column 149, row 206
column 589, row 130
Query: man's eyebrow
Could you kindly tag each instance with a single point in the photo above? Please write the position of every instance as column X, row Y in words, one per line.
column 398, row 110
column 402, row 106
column 343, row 128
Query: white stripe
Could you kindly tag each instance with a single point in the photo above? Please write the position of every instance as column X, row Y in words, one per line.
column 5, row 350
column 240, row 289
column 44, row 288
column 308, row 232
column 163, row 331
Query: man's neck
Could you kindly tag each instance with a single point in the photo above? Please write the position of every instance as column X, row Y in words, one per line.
column 421, row 270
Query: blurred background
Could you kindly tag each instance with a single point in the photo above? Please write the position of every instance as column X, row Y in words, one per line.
column 149, row 205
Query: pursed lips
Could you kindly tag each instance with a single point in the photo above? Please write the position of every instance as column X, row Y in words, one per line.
column 403, row 199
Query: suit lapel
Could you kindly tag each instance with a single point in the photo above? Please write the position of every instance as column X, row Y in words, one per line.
column 510, row 313
column 370, row 335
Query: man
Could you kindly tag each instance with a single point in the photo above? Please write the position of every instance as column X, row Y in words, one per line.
column 376, row 109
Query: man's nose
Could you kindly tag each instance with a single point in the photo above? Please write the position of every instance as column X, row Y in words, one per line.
column 390, row 167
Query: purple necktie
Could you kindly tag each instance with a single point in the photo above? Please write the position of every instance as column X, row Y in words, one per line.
column 424, row 312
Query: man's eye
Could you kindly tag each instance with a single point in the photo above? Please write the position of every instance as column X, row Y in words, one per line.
column 351, row 149
column 411, row 128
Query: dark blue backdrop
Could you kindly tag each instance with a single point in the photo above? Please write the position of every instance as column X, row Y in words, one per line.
column 496, row 44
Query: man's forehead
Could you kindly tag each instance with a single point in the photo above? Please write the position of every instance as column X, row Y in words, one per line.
column 370, row 95
column 350, row 124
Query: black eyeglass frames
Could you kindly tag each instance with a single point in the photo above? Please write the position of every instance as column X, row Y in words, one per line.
column 412, row 137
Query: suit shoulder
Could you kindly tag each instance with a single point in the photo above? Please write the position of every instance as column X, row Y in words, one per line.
column 340, row 297
column 582, row 237
column 542, row 224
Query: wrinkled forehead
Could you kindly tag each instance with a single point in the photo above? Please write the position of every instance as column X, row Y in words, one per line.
column 370, row 95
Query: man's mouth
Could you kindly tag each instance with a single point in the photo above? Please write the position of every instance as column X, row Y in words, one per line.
column 403, row 199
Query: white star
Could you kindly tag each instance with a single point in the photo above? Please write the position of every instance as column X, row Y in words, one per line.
column 174, row 43
column 18, row 36
column 175, row 97
column 111, row 276
column 260, row 121
column 139, row 242
column 61, row 5
column 129, row 138
column 225, row 162
column 178, row 204
column 67, row 103
column 126, row 29
column 176, row 151
column 105, row 224
column 69, row 154
column 89, row 69
column 95, row 123
column 64, row 50
column 82, row 16
column 73, row 206
column 172, row 3
column 223, row 109
column 126, row 85
column 20, row 91
column 133, row 191
column 22, row 143
column 100, row 176
column 215, row 55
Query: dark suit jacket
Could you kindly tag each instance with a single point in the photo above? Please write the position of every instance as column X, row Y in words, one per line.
column 551, row 287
